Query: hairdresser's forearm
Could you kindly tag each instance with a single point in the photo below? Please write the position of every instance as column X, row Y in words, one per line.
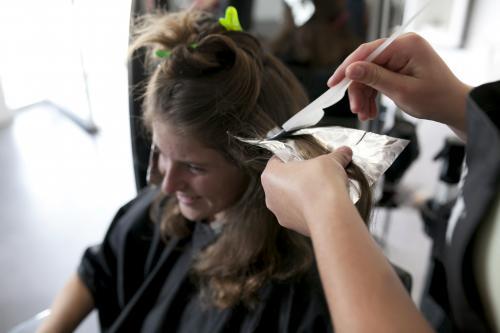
column 363, row 291
column 70, row 307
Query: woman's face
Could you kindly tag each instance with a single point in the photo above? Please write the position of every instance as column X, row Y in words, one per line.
column 203, row 181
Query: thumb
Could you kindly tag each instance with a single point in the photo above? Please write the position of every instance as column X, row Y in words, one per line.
column 377, row 77
column 343, row 155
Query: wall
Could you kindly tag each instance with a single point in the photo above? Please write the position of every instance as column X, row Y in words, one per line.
column 479, row 60
column 483, row 37
column 5, row 113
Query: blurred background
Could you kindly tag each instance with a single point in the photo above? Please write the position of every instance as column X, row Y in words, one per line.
column 71, row 155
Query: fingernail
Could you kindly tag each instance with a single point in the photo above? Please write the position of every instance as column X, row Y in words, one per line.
column 345, row 149
column 356, row 72
column 329, row 82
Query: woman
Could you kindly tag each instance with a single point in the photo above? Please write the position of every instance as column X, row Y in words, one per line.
column 200, row 252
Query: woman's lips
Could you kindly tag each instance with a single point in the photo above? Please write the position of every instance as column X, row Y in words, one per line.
column 186, row 199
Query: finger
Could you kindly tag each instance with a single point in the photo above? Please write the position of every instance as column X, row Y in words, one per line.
column 373, row 112
column 343, row 155
column 360, row 53
column 361, row 98
column 353, row 101
column 275, row 159
column 377, row 77
column 356, row 97
column 371, row 105
column 271, row 168
column 273, row 163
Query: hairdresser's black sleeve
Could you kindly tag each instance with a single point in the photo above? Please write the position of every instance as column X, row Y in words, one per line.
column 103, row 268
column 486, row 98
column 479, row 192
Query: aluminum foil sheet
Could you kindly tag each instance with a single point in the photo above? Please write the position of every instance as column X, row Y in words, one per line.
column 373, row 153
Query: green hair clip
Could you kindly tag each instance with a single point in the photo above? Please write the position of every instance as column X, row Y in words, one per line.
column 231, row 21
column 167, row 53
column 163, row 53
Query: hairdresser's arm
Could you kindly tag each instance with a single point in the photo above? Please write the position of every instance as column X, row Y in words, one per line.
column 363, row 292
column 410, row 73
column 70, row 307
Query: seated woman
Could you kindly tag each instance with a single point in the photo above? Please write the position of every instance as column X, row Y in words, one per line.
column 200, row 252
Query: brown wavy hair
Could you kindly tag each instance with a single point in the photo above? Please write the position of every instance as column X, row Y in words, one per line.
column 217, row 82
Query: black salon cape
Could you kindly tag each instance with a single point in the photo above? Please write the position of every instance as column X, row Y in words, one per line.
column 141, row 284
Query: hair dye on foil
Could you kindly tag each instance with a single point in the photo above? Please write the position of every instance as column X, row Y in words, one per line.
column 373, row 153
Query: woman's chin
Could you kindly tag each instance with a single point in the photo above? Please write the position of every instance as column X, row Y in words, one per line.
column 191, row 213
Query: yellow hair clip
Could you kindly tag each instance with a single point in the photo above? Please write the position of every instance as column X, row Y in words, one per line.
column 231, row 21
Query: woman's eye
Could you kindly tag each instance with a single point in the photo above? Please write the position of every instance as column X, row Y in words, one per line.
column 195, row 168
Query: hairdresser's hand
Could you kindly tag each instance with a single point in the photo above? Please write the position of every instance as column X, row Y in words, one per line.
column 295, row 190
column 410, row 73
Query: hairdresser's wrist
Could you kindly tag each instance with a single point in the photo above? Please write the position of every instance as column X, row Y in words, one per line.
column 454, row 115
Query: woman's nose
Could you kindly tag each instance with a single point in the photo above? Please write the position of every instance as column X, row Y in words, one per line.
column 172, row 180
